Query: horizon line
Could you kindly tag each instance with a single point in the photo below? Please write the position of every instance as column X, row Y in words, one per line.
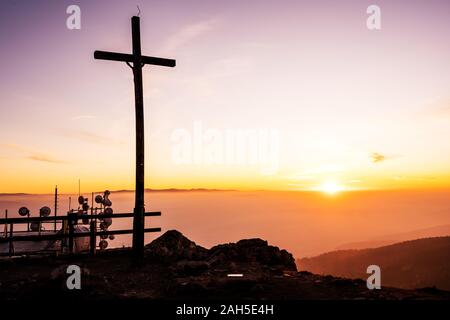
column 444, row 188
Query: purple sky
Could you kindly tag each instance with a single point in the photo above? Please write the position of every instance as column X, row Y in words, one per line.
column 335, row 91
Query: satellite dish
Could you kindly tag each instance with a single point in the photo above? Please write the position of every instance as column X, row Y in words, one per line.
column 34, row 226
column 106, row 201
column 109, row 211
column 98, row 199
column 103, row 226
column 85, row 207
column 104, row 236
column 23, row 211
column 111, row 237
column 103, row 244
column 45, row 211
column 80, row 199
column 107, row 222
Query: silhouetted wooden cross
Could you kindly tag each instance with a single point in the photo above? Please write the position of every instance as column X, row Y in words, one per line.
column 138, row 61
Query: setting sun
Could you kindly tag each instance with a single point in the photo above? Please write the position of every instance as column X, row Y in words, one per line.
column 330, row 188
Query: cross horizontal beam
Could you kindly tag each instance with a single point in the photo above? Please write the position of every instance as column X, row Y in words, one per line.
column 115, row 56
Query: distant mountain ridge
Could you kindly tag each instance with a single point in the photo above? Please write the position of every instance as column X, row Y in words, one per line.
column 411, row 264
column 126, row 190
column 437, row 231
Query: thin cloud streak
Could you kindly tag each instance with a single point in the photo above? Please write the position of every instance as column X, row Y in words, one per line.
column 44, row 158
column 187, row 34
column 91, row 137
column 83, row 117
column 31, row 154
column 377, row 157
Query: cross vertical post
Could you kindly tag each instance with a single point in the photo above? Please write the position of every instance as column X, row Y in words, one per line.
column 56, row 207
column 139, row 207
column 138, row 61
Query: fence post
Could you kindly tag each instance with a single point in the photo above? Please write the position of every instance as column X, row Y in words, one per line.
column 64, row 224
column 11, row 244
column 71, row 230
column 93, row 243
column 6, row 223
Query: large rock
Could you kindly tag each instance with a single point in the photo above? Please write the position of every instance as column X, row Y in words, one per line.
column 253, row 251
column 174, row 246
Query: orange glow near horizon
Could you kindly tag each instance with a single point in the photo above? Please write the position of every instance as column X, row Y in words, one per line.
column 41, row 185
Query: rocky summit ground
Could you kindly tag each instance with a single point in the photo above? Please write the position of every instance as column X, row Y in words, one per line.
column 176, row 268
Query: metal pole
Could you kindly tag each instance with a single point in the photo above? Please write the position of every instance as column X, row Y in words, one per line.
column 93, row 226
column 139, row 210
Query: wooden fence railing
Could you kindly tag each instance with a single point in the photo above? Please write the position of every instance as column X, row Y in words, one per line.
column 67, row 231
